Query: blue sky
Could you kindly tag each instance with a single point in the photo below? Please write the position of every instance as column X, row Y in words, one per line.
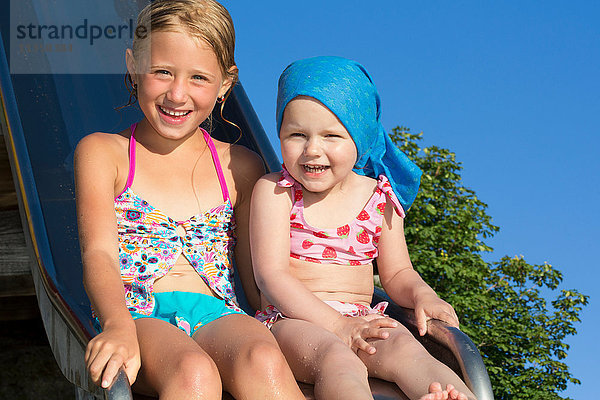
column 511, row 87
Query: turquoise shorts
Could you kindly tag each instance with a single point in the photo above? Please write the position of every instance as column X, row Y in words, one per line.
column 186, row 310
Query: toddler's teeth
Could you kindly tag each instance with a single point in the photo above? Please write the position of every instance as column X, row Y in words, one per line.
column 309, row 168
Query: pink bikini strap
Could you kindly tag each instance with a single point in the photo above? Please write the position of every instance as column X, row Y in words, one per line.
column 131, row 160
column 131, row 157
column 288, row 180
column 215, row 157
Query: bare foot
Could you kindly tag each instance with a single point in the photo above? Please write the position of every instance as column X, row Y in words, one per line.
column 454, row 394
column 436, row 392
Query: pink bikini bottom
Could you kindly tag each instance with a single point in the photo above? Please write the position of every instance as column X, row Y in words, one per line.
column 271, row 314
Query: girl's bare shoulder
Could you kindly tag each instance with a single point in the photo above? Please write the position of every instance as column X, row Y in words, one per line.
column 267, row 188
column 271, row 178
column 103, row 145
column 364, row 184
column 241, row 161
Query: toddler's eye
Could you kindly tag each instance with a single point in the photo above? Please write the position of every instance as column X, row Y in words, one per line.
column 297, row 134
column 161, row 72
column 199, row 78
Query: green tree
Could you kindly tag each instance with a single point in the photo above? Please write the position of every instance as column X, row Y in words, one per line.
column 500, row 304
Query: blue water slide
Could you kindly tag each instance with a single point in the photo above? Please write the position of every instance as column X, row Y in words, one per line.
column 43, row 116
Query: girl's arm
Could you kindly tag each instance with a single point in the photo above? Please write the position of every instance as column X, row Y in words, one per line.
column 401, row 282
column 270, row 244
column 247, row 169
column 116, row 345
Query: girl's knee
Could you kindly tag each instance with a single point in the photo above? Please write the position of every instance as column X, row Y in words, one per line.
column 339, row 357
column 405, row 343
column 196, row 372
column 264, row 356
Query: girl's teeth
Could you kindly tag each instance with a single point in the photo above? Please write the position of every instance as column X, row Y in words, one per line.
column 174, row 113
column 312, row 169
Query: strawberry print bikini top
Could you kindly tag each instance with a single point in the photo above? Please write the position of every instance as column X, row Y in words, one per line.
column 149, row 244
column 352, row 244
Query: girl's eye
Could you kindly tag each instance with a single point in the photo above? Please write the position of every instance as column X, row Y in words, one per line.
column 297, row 134
column 161, row 72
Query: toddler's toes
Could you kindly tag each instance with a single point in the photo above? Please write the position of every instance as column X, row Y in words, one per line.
column 435, row 387
column 454, row 394
column 443, row 395
column 436, row 392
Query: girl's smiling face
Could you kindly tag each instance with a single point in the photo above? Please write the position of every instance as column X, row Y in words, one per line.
column 317, row 149
column 178, row 81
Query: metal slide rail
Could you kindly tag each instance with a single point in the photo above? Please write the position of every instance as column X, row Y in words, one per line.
column 449, row 345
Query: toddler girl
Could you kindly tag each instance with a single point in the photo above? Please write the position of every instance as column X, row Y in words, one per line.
column 316, row 228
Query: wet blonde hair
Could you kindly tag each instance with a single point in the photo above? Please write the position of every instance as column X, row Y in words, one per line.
column 205, row 20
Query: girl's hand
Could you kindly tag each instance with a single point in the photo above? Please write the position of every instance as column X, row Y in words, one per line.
column 354, row 331
column 110, row 350
column 430, row 306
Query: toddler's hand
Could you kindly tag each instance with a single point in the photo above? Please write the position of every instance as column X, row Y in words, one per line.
column 354, row 331
column 432, row 307
column 110, row 350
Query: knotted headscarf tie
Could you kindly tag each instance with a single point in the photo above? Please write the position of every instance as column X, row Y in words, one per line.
column 346, row 89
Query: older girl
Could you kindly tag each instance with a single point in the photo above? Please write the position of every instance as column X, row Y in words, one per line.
column 162, row 210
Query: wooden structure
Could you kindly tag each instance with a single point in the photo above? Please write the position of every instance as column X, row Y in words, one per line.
column 17, row 294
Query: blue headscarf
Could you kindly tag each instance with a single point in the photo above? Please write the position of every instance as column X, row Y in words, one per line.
column 345, row 87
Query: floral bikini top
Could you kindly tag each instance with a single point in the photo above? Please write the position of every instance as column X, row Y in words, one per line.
column 149, row 244
column 351, row 244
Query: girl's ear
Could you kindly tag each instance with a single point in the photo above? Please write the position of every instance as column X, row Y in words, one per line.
column 228, row 81
column 130, row 62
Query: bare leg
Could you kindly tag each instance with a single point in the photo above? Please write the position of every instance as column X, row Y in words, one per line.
column 249, row 359
column 318, row 356
column 173, row 365
column 402, row 359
